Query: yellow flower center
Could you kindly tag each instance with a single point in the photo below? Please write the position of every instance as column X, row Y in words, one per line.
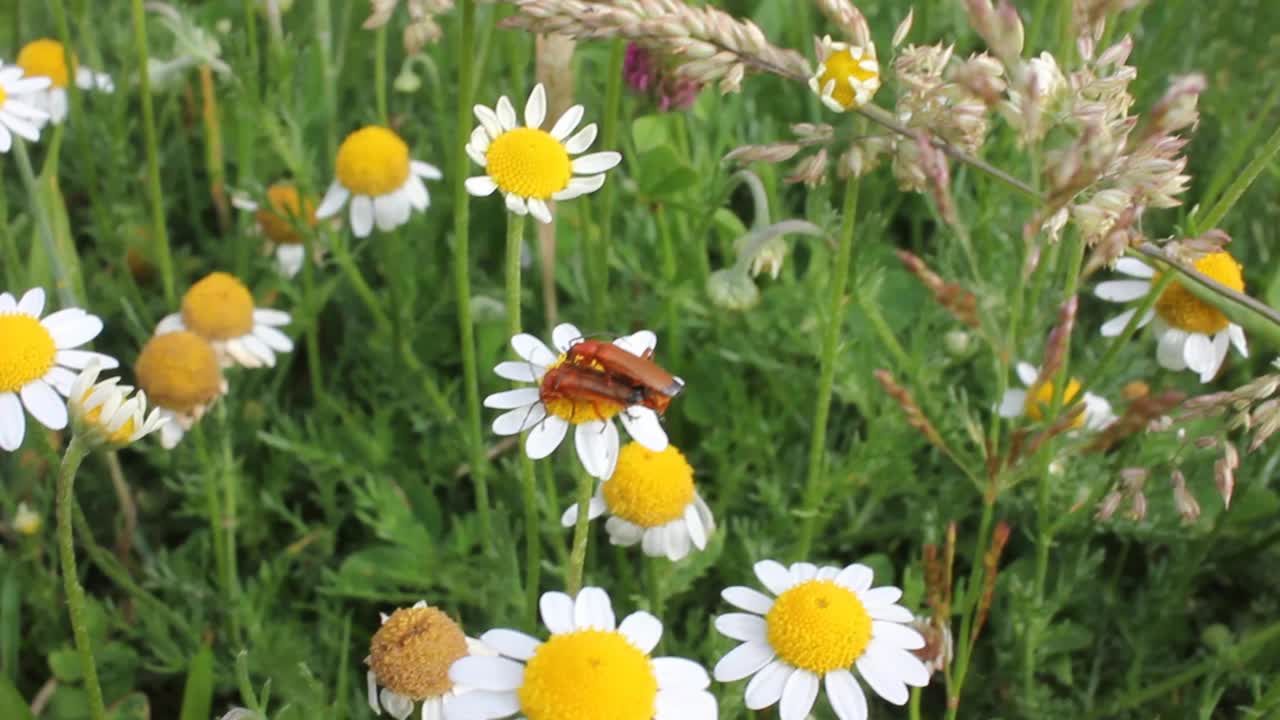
column 179, row 371
column 649, row 488
column 45, row 58
column 219, row 307
column 412, row 651
column 27, row 352
column 284, row 212
column 3, row 95
column 818, row 626
column 588, row 675
column 1179, row 308
column 373, row 161
column 563, row 398
column 847, row 72
column 529, row 162
column 120, row 436
column 1041, row 399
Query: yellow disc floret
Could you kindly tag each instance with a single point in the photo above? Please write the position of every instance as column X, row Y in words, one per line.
column 219, row 307
column 855, row 74
column 179, row 371
column 3, row 95
column 120, row 436
column 1040, row 399
column 588, row 675
column 373, row 161
column 285, row 210
column 412, row 651
column 818, row 626
column 45, row 58
column 568, row 392
column 1181, row 309
column 529, row 162
column 649, row 488
column 26, row 353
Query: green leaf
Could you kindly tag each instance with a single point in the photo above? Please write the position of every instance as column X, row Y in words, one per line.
column 663, row 173
column 197, row 697
column 12, row 705
column 65, row 664
column 652, row 131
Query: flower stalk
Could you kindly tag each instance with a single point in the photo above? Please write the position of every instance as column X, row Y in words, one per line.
column 76, row 451
column 528, row 479
column 159, row 233
column 578, row 553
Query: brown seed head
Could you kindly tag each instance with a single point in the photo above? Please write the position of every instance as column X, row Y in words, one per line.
column 412, row 651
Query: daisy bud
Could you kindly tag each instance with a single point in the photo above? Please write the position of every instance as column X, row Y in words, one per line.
column 957, row 343
column 732, row 289
column 26, row 521
column 105, row 414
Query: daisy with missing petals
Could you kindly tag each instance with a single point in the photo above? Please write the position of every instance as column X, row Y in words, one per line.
column 220, row 309
column 822, row 622
column 1035, row 402
column 589, row 669
column 532, row 166
column 409, row 658
column 106, row 414
column 651, row 500
column 1191, row 334
column 547, row 412
column 47, row 58
column 285, row 212
column 20, row 113
column 384, row 185
column 180, row 372
column 36, row 360
column 847, row 75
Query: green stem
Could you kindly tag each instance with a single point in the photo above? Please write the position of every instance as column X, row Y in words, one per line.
column 230, row 489
column 213, row 510
column 160, row 234
column 972, row 598
column 311, row 300
column 599, row 278
column 75, row 454
column 61, row 277
column 380, row 73
column 462, row 263
column 342, row 255
column 815, row 485
column 324, row 34
column 578, row 554
column 671, row 304
column 528, row 478
column 1158, row 286
column 12, row 257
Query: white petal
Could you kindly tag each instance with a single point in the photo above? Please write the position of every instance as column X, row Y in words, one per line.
column 372, row 682
column 774, row 576
column 519, row 371
column 798, row 695
column 361, row 215
column 32, row 302
column 510, row 399
column 1013, row 403
column 540, row 210
column 685, row 706
column 644, row 427
column 640, row 343
column 679, row 674
column 479, row 140
column 334, row 198
column 876, row 597
column 268, row 316
column 482, row 705
column 1218, row 349
column 13, row 422
column 289, row 259
column 1236, row 333
column 1027, row 373
column 743, row 661
column 535, row 110
column 545, row 437
column 489, row 119
column 747, row 599
column 481, row 185
column 388, row 209
column 743, row 627
column 61, row 379
column 67, row 335
column 1134, row 267
column 592, row 609
column 565, row 335
column 1169, row 349
column 399, row 706
column 856, row 577
column 1117, row 324
column 803, row 571
column 487, row 673
column 597, row 445
column 596, row 162
column 531, row 348
column 765, row 688
column 557, row 612
column 644, row 631
column 23, row 128
column 80, row 359
column 517, row 421
column 581, row 140
column 697, row 531
column 897, row 635
column 845, row 695
column 416, row 191
column 882, row 679
column 891, row 613
column 426, row 171
column 7, row 304
column 511, row 643
column 1122, row 290
column 623, row 533
column 1197, row 353
column 273, row 338
column 580, row 186
column 45, row 405
column 506, row 113
column 516, row 204
column 567, row 122
column 906, row 666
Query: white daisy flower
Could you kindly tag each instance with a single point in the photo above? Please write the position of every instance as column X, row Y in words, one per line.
column 1018, row 402
column 106, row 414
column 547, row 413
column 590, row 667
column 20, row 113
column 822, row 622
column 651, row 499
column 220, row 309
column 384, row 185
column 286, row 211
column 36, row 360
column 46, row 58
column 1190, row 333
column 847, row 76
column 181, row 375
column 532, row 166
column 409, row 658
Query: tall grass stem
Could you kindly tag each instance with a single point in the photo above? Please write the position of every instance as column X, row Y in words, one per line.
column 159, row 232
